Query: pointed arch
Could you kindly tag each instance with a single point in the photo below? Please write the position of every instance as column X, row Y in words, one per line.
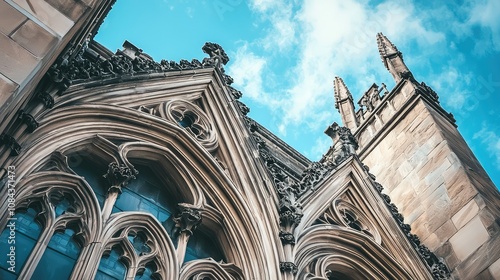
column 64, row 128
column 210, row 269
column 120, row 228
column 329, row 247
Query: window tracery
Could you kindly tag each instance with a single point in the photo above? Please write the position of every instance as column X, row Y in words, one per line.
column 193, row 119
column 61, row 214
column 346, row 214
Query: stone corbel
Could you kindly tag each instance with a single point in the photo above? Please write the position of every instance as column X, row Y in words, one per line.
column 186, row 221
column 118, row 176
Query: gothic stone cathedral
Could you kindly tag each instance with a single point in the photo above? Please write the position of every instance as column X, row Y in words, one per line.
column 115, row 166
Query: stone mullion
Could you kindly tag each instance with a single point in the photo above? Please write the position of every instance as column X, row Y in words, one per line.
column 186, row 221
column 88, row 262
column 41, row 245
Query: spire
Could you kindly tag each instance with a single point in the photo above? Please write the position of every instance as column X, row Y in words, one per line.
column 344, row 103
column 391, row 57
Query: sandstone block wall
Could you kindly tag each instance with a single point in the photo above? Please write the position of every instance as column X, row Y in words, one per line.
column 32, row 34
column 441, row 189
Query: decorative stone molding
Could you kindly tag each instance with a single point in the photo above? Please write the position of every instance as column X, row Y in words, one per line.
column 89, row 66
column 193, row 119
column 188, row 219
column 46, row 99
column 11, row 143
column 119, row 175
column 209, row 269
column 346, row 214
column 288, row 267
column 29, row 120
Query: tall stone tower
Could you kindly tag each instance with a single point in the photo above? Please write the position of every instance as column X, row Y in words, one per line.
column 414, row 148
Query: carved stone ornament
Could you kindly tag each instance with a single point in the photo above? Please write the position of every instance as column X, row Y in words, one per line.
column 314, row 173
column 187, row 219
column 193, row 119
column 218, row 56
column 344, row 144
column 119, row 175
column 87, row 65
column 287, row 237
column 288, row 267
column 235, row 93
column 425, row 89
column 46, row 99
column 10, row 142
column 243, row 108
column 29, row 120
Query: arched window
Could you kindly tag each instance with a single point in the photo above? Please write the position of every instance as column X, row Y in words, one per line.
column 26, row 230
column 63, row 250
column 153, row 190
column 147, row 193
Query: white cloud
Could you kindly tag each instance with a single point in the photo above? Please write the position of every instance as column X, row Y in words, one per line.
column 488, row 137
column 323, row 39
column 453, row 88
column 348, row 50
column 281, row 35
column 319, row 148
column 249, row 69
column 485, row 13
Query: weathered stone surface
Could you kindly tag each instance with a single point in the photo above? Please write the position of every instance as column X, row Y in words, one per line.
column 47, row 14
column 495, row 270
column 16, row 63
column 446, row 251
column 464, row 215
column 70, row 8
column 10, row 19
column 34, row 38
column 6, row 88
column 469, row 238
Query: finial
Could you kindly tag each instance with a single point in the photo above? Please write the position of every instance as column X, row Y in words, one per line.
column 341, row 91
column 392, row 58
column 386, row 48
column 344, row 144
column 217, row 55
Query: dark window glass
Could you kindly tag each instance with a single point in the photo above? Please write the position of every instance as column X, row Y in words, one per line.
column 201, row 246
column 146, row 193
column 111, row 267
column 93, row 172
column 62, row 250
column 26, row 233
column 146, row 273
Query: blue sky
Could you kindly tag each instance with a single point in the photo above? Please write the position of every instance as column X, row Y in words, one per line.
column 285, row 54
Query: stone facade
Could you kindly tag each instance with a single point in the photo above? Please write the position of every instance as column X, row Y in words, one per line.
column 115, row 165
column 428, row 170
